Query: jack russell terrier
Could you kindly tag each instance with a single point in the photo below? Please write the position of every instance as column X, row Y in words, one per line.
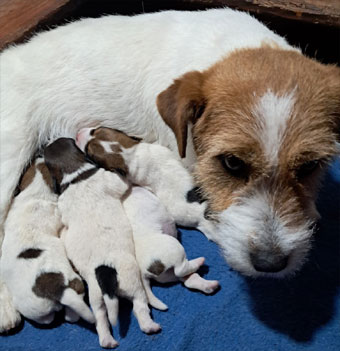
column 98, row 236
column 255, row 119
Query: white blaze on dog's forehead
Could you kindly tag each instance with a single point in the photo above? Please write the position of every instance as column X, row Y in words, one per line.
column 273, row 112
column 68, row 178
column 107, row 146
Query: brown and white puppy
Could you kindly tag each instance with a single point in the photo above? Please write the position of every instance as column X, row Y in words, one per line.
column 98, row 236
column 34, row 263
column 151, row 166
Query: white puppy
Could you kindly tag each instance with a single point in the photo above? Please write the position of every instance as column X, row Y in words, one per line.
column 34, row 263
column 160, row 256
column 98, row 238
column 151, row 166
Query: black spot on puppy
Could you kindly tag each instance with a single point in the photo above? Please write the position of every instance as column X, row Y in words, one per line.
column 49, row 286
column 30, row 253
column 194, row 195
column 107, row 280
column 156, row 267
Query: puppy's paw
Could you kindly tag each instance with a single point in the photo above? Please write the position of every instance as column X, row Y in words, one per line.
column 210, row 286
column 108, row 342
column 151, row 328
column 9, row 316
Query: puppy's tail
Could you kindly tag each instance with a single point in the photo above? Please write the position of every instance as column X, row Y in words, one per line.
column 74, row 301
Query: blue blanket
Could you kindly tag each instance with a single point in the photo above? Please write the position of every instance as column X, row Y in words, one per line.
column 301, row 313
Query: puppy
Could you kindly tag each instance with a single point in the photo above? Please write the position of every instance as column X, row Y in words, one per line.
column 160, row 256
column 98, row 236
column 148, row 165
column 34, row 263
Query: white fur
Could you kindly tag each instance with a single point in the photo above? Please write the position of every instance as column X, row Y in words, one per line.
column 68, row 178
column 254, row 220
column 99, row 234
column 150, row 221
column 57, row 83
column 34, row 222
column 273, row 112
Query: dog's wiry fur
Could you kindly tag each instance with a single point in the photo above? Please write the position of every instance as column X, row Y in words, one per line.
column 240, row 67
column 34, row 263
column 98, row 236
column 279, row 126
column 159, row 254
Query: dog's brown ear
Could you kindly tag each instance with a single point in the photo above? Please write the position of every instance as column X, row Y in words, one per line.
column 181, row 103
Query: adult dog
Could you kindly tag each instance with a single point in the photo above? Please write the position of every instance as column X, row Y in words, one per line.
column 256, row 118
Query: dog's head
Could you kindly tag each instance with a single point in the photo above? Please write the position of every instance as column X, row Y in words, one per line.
column 104, row 145
column 264, row 124
column 67, row 163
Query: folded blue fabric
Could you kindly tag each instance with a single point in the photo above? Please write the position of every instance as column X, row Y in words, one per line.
column 300, row 313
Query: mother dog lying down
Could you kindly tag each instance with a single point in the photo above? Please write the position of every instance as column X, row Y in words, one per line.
column 255, row 119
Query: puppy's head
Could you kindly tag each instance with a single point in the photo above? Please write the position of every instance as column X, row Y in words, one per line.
column 35, row 175
column 104, row 145
column 264, row 123
column 67, row 163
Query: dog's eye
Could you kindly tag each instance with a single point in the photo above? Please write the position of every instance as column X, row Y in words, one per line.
column 235, row 166
column 307, row 168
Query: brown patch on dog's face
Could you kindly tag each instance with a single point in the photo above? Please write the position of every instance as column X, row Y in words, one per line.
column 113, row 135
column 27, row 178
column 109, row 161
column 45, row 174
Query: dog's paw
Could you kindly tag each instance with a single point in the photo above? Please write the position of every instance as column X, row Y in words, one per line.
column 9, row 316
column 151, row 327
column 108, row 342
column 211, row 286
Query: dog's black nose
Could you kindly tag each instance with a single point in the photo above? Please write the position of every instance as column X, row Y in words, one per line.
column 268, row 262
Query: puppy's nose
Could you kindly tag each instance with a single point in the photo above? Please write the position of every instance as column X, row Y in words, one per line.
column 82, row 137
column 268, row 262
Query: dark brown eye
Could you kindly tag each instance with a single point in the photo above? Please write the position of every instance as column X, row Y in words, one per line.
column 235, row 166
column 307, row 169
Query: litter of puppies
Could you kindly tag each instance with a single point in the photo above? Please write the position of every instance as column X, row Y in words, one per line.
column 104, row 208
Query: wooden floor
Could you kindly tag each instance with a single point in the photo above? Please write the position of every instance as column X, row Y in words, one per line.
column 20, row 18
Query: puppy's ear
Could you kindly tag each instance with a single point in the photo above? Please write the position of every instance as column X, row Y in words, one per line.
column 181, row 103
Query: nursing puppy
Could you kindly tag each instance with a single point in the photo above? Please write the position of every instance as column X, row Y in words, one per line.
column 98, row 237
column 148, row 165
column 255, row 118
column 159, row 254
column 34, row 263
